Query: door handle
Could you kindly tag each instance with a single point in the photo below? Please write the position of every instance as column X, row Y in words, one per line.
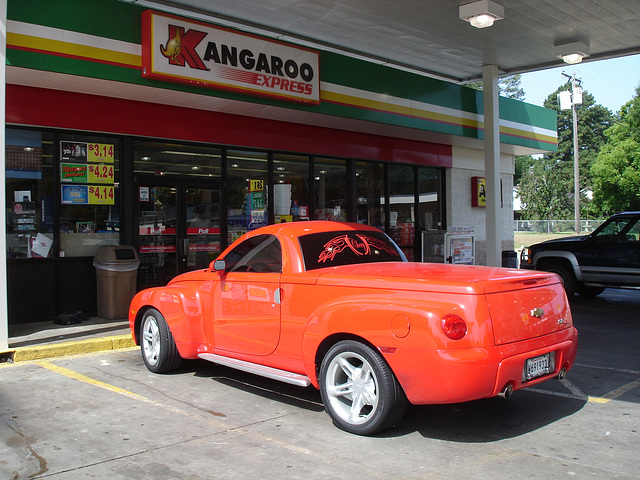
column 183, row 246
column 277, row 296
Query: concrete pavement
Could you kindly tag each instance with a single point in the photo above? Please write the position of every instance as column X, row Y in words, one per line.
column 104, row 415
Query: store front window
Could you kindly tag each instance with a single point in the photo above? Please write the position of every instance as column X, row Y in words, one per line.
column 168, row 159
column 29, row 170
column 430, row 199
column 90, row 197
column 247, row 196
column 402, row 208
column 330, row 179
column 178, row 198
column 370, row 194
column 291, row 177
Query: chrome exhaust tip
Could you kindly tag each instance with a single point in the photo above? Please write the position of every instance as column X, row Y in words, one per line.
column 507, row 392
column 562, row 373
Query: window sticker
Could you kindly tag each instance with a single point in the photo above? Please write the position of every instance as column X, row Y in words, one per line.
column 347, row 247
column 367, row 245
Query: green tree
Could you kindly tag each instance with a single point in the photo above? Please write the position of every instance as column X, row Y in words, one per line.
column 616, row 171
column 547, row 188
column 522, row 163
column 511, row 87
column 508, row 86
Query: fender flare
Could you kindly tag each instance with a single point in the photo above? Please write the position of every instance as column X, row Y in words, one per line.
column 568, row 256
column 181, row 308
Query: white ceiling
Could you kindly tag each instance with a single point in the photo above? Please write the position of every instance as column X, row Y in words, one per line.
column 428, row 35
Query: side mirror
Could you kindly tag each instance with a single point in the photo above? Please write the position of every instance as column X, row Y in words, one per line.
column 219, row 265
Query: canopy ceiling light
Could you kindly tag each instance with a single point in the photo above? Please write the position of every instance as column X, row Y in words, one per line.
column 482, row 13
column 572, row 52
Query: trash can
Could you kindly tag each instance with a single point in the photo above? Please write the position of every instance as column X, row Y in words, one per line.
column 116, row 273
column 509, row 259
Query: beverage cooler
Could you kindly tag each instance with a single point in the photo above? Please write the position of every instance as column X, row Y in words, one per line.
column 455, row 245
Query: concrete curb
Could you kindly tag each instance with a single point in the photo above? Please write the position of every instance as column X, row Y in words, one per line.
column 91, row 345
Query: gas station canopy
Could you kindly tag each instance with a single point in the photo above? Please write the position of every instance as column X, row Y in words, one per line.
column 431, row 36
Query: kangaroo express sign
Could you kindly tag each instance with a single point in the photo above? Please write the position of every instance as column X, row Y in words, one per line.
column 180, row 50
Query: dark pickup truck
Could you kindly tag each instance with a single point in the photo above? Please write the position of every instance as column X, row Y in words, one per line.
column 607, row 258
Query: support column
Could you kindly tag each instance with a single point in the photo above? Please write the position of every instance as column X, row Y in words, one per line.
column 492, row 164
column 4, row 317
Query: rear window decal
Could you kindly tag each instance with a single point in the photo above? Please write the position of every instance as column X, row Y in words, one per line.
column 367, row 245
column 347, row 247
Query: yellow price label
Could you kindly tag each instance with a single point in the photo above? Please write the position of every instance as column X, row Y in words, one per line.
column 256, row 185
column 101, row 174
column 101, row 195
column 100, row 152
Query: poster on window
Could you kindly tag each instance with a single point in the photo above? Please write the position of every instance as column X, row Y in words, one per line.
column 75, row 195
column 87, row 195
column 461, row 249
column 86, row 152
column 73, row 151
column 73, row 173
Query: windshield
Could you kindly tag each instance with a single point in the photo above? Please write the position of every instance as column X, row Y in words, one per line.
column 330, row 249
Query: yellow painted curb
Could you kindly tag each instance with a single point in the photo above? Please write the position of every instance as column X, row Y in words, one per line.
column 39, row 352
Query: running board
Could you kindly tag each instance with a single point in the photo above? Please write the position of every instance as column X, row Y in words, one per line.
column 263, row 371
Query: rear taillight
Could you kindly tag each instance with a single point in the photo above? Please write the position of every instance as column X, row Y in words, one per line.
column 454, row 326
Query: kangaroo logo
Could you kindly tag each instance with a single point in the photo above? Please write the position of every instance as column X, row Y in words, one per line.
column 173, row 48
column 181, row 47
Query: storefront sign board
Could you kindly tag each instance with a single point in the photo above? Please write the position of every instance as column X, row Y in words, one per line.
column 177, row 49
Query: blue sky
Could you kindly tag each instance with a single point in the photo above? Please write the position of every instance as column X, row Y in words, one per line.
column 611, row 82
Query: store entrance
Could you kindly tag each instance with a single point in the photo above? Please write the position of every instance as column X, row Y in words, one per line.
column 178, row 228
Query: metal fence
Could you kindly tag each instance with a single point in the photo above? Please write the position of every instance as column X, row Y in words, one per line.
column 556, row 226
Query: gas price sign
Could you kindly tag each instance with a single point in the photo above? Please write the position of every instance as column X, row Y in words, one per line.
column 100, row 152
column 101, row 174
column 101, row 195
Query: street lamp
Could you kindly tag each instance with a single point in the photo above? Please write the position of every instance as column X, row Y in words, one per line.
column 569, row 100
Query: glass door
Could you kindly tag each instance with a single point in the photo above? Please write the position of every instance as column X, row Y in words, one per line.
column 178, row 229
column 202, row 240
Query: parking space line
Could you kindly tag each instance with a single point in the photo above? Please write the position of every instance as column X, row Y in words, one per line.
column 576, row 393
column 121, row 391
column 616, row 393
column 618, row 370
column 83, row 378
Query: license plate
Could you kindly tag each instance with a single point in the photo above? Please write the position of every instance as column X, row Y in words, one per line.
column 537, row 366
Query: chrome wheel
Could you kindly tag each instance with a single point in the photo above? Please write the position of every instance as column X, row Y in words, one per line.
column 352, row 388
column 158, row 348
column 150, row 340
column 359, row 390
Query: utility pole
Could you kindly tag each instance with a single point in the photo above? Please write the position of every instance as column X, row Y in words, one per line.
column 570, row 100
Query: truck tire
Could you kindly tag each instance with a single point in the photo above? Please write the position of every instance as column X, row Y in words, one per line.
column 565, row 273
column 585, row 291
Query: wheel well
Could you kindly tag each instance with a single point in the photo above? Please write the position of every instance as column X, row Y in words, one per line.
column 544, row 263
column 331, row 340
column 138, row 323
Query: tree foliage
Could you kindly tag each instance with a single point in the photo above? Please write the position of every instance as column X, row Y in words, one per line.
column 616, row 171
column 508, row 86
column 546, row 188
